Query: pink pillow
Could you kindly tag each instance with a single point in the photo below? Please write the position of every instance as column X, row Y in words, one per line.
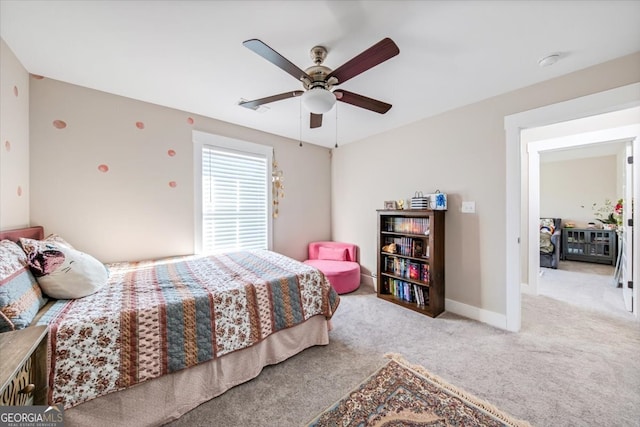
column 332, row 254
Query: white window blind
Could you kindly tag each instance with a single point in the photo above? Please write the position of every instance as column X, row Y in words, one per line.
column 235, row 200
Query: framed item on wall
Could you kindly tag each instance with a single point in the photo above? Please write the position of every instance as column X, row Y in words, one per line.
column 390, row 204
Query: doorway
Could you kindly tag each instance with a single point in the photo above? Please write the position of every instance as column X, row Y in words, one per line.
column 574, row 183
column 521, row 260
column 608, row 133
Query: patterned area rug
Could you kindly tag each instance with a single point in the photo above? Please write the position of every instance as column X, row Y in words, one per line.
column 401, row 394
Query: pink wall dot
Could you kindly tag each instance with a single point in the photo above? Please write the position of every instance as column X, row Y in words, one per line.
column 19, row 191
column 190, row 120
column 59, row 124
column 37, row 76
column 103, row 168
column 15, row 90
column 171, row 153
column 140, row 125
column 173, row 184
column 7, row 145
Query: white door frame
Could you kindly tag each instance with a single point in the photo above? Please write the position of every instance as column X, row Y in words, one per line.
column 603, row 102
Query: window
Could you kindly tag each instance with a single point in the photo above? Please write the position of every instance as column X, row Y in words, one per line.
column 233, row 194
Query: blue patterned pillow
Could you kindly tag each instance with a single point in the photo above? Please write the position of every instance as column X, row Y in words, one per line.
column 20, row 295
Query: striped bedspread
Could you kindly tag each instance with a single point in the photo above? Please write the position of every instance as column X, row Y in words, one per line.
column 157, row 317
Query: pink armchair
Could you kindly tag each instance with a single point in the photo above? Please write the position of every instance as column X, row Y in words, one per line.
column 338, row 262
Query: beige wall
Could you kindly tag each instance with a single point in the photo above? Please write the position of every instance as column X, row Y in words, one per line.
column 131, row 211
column 568, row 189
column 462, row 153
column 14, row 141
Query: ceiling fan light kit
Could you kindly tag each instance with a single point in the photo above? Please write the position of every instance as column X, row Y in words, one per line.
column 318, row 80
column 318, row 100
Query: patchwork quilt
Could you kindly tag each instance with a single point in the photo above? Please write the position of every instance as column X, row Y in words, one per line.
column 157, row 317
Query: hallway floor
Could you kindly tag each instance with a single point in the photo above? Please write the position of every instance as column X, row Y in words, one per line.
column 584, row 284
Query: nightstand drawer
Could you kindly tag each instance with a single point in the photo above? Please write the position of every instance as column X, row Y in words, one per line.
column 23, row 367
column 21, row 389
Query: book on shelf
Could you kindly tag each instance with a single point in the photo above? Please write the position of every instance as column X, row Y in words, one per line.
column 405, row 268
column 384, row 288
column 407, row 292
column 407, row 225
column 414, row 271
column 422, row 295
column 424, row 273
column 408, row 246
column 417, row 248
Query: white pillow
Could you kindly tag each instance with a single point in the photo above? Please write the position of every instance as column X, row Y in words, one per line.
column 63, row 272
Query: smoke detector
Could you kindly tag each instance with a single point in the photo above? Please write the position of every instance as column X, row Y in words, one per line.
column 549, row 60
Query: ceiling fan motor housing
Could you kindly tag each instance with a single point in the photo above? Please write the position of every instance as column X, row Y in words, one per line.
column 317, row 77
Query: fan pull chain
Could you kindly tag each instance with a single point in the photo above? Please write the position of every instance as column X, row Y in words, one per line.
column 300, row 122
column 336, row 125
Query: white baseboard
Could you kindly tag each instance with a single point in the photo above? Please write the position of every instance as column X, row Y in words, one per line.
column 485, row 316
column 366, row 279
column 481, row 315
column 525, row 288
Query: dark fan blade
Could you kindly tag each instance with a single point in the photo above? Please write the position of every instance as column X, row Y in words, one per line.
column 275, row 58
column 258, row 102
column 315, row 120
column 376, row 54
column 362, row 101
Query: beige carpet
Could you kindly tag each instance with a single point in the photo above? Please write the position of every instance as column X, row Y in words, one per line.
column 569, row 366
column 584, row 284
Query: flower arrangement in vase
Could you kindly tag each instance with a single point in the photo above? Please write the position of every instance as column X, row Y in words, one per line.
column 609, row 215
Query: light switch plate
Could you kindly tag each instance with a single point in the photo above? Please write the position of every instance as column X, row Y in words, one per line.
column 468, row 207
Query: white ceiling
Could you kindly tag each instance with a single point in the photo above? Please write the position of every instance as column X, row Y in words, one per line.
column 189, row 55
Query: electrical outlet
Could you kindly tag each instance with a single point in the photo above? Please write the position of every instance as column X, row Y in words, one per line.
column 468, row 207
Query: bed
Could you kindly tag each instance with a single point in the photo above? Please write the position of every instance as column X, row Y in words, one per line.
column 163, row 336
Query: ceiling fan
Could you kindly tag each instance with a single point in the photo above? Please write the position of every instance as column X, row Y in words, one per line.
column 318, row 80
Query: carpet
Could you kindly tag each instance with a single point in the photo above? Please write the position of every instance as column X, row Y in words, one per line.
column 402, row 394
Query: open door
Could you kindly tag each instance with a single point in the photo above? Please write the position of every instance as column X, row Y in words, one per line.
column 632, row 194
column 635, row 236
column 625, row 267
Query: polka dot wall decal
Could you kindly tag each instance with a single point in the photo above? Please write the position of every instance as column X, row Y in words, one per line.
column 7, row 145
column 103, row 168
column 19, row 191
column 173, row 184
column 140, row 125
column 37, row 77
column 59, row 124
column 15, row 90
column 171, row 153
column 190, row 120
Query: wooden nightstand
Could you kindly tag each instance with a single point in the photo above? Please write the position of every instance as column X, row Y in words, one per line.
column 23, row 367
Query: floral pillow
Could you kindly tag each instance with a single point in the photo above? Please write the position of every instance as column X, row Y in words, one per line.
column 62, row 271
column 20, row 295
